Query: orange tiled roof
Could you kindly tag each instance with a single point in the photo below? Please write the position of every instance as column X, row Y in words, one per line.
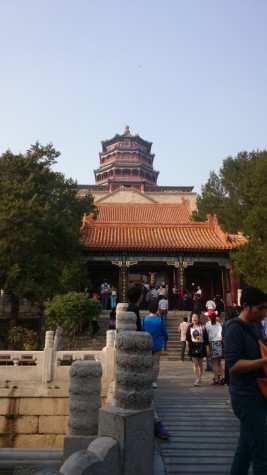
column 143, row 213
column 161, row 227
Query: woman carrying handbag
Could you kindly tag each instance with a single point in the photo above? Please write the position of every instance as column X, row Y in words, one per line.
column 197, row 346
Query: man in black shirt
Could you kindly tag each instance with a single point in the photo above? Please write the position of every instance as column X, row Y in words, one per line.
column 135, row 297
column 243, row 359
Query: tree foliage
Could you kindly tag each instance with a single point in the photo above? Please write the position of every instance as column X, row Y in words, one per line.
column 40, row 218
column 71, row 312
column 237, row 195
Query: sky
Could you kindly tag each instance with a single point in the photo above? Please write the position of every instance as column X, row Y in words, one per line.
column 188, row 75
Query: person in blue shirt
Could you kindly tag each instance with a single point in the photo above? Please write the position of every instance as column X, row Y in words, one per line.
column 243, row 358
column 154, row 325
column 134, row 296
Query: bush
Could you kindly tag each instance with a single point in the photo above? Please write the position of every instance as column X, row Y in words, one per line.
column 72, row 312
column 23, row 338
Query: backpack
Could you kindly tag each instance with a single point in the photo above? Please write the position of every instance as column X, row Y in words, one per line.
column 106, row 289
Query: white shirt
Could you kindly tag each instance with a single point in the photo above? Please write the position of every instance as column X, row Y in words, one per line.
column 163, row 304
column 183, row 329
column 210, row 305
column 161, row 291
column 197, row 334
column 214, row 331
column 154, row 293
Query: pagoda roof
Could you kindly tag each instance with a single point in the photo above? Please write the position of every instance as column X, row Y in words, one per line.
column 153, row 227
column 125, row 135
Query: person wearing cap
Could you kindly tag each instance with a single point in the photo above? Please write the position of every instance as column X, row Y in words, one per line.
column 210, row 305
column 214, row 331
column 245, row 365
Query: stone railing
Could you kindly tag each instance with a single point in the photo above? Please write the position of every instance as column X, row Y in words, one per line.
column 112, row 436
column 50, row 365
column 118, row 439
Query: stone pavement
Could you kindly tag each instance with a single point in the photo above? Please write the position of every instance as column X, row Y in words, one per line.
column 204, row 430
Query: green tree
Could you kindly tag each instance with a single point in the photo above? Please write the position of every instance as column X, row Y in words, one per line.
column 237, row 196
column 71, row 312
column 40, row 218
column 251, row 261
column 211, row 200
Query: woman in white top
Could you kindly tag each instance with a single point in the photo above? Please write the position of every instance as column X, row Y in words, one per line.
column 214, row 330
column 197, row 345
column 162, row 291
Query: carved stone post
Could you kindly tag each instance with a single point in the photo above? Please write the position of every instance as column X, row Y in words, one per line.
column 133, row 388
column 58, row 338
column 125, row 320
column 84, row 403
column 48, row 357
column 131, row 421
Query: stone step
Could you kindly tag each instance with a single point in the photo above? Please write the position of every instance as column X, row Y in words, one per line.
column 174, row 319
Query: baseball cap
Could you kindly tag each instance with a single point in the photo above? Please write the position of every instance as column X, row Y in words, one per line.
column 211, row 312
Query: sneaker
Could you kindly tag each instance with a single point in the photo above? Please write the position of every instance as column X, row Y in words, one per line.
column 154, row 384
column 197, row 382
column 160, row 431
column 215, row 383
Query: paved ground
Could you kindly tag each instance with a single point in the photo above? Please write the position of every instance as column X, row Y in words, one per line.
column 204, row 430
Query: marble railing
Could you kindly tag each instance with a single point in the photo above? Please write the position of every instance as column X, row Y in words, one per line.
column 50, row 365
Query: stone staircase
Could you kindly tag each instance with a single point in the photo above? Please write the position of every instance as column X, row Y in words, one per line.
column 86, row 343
column 174, row 319
column 174, row 345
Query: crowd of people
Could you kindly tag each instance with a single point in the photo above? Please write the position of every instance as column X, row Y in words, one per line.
column 177, row 298
column 232, row 347
column 236, row 340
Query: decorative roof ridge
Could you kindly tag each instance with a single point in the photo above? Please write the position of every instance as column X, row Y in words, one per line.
column 126, row 134
column 185, row 225
column 234, row 239
column 184, row 204
column 238, row 238
column 114, row 193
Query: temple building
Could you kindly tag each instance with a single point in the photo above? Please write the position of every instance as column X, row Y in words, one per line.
column 144, row 232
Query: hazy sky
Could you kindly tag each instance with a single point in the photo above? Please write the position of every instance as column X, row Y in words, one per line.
column 188, row 75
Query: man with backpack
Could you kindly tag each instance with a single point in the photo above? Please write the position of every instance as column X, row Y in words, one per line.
column 134, row 296
column 105, row 293
column 154, row 324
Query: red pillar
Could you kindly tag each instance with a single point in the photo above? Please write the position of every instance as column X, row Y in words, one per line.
column 233, row 284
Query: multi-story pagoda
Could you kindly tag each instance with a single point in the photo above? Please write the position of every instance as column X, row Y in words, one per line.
column 126, row 160
column 144, row 232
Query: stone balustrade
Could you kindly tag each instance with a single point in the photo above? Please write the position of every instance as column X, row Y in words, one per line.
column 119, row 432
column 34, row 393
column 50, row 365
